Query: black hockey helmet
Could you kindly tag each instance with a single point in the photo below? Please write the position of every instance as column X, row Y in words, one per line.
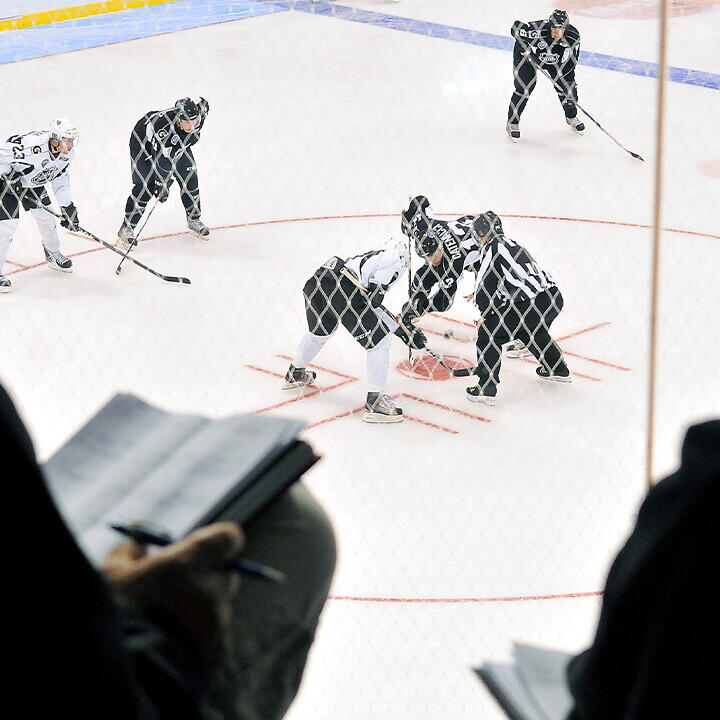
column 486, row 225
column 559, row 19
column 187, row 109
column 426, row 241
column 496, row 222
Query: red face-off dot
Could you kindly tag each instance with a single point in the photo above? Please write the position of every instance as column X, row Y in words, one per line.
column 427, row 367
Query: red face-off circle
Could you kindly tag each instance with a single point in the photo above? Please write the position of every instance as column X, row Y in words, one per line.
column 635, row 9
column 427, row 367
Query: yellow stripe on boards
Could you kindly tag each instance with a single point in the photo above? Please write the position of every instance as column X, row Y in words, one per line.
column 75, row 12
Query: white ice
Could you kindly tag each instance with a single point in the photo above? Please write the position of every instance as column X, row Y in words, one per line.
column 319, row 130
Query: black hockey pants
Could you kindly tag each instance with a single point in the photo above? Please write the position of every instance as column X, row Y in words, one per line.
column 525, row 78
column 331, row 298
column 147, row 181
column 527, row 320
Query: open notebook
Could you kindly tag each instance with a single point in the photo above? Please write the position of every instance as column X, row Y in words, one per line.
column 533, row 687
column 133, row 462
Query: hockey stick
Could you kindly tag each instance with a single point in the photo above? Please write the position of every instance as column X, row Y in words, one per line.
column 569, row 97
column 411, row 360
column 137, row 235
column 167, row 278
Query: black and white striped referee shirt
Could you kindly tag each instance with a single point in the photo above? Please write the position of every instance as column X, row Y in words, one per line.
column 506, row 274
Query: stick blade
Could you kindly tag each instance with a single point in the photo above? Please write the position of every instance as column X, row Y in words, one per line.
column 636, row 156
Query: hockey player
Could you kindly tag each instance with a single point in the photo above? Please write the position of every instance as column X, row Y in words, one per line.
column 554, row 46
column 516, row 299
column 160, row 152
column 448, row 249
column 332, row 297
column 28, row 163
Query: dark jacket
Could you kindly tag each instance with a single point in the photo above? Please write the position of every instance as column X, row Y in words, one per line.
column 655, row 650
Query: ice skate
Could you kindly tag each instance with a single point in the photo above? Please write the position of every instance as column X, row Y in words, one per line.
column 485, row 396
column 5, row 284
column 380, row 408
column 298, row 377
column 561, row 376
column 198, row 227
column 57, row 261
column 517, row 349
column 513, row 131
column 126, row 237
column 576, row 125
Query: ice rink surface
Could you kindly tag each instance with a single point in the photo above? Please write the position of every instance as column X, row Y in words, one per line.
column 465, row 527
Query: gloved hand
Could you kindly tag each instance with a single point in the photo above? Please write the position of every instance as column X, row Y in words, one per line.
column 162, row 190
column 70, row 220
column 14, row 183
column 376, row 294
column 416, row 340
column 204, row 106
column 188, row 580
column 413, row 309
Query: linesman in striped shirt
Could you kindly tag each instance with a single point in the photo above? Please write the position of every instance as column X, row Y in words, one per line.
column 517, row 300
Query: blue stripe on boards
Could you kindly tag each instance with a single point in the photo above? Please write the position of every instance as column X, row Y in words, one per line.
column 684, row 76
column 124, row 25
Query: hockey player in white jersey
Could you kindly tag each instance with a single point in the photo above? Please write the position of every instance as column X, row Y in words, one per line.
column 27, row 164
column 332, row 297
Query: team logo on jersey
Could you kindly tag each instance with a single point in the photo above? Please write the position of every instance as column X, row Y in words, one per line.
column 44, row 163
column 549, row 58
column 37, row 149
column 44, row 177
column 175, row 140
column 162, row 134
column 542, row 45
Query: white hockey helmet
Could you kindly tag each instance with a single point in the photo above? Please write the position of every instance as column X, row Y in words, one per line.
column 62, row 127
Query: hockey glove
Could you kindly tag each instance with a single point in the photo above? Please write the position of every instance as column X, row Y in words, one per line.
column 70, row 220
column 162, row 189
column 204, row 106
column 376, row 294
column 416, row 340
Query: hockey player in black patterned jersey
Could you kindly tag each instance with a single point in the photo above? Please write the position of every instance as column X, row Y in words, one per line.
column 448, row 249
column 516, row 299
column 554, row 46
column 350, row 292
column 160, row 152
column 27, row 164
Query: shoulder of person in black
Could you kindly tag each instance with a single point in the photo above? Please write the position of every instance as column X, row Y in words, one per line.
column 658, row 621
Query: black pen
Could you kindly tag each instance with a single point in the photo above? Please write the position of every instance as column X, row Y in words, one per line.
column 145, row 535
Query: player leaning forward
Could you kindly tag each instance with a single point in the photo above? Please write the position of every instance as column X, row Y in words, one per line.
column 516, row 299
column 28, row 163
column 161, row 152
column 332, row 297
column 554, row 46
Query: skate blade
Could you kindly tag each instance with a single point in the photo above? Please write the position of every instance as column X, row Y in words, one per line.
column 58, row 268
column 291, row 386
column 512, row 139
column 556, row 378
column 379, row 418
column 482, row 399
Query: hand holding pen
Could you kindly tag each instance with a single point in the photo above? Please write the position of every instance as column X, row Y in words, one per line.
column 144, row 534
